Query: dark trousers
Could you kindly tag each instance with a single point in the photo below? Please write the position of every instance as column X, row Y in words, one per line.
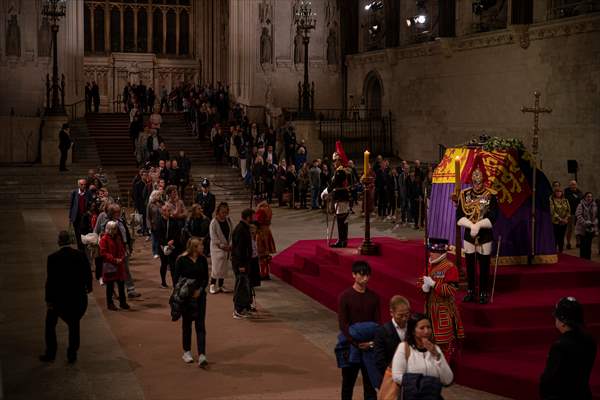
column 585, row 245
column 382, row 205
column 242, row 296
column 559, row 236
column 77, row 232
column 484, row 271
column 63, row 159
column 110, row 287
column 199, row 325
column 52, row 317
column 349, row 375
column 342, row 227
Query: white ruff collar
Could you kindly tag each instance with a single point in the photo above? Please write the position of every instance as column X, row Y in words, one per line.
column 440, row 258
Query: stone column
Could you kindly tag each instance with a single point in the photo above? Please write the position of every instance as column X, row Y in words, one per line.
column 150, row 14
column 107, row 28
column 177, row 27
column 164, row 43
column 71, row 51
column 93, row 34
column 122, row 28
column 135, row 28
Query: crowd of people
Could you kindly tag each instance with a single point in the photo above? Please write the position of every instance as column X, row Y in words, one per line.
column 276, row 166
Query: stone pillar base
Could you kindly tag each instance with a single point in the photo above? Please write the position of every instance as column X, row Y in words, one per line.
column 308, row 131
column 50, row 152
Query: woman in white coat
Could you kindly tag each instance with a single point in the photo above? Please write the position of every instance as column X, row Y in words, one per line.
column 424, row 357
column 220, row 231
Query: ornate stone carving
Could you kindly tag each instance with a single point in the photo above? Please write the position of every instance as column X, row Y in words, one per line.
column 44, row 39
column 332, row 57
column 265, row 12
column 13, row 37
column 298, row 48
column 266, row 47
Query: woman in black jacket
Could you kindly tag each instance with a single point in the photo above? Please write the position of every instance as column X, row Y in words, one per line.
column 197, row 226
column 193, row 265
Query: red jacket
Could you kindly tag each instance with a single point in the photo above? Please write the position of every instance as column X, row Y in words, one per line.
column 112, row 248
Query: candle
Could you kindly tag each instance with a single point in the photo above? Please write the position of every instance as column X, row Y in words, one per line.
column 457, row 171
column 366, row 166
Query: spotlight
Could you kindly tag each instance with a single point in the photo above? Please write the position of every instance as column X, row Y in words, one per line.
column 373, row 30
column 374, row 5
column 421, row 19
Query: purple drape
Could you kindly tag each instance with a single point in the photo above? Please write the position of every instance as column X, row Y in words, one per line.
column 515, row 231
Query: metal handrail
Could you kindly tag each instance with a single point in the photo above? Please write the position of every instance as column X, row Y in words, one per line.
column 74, row 108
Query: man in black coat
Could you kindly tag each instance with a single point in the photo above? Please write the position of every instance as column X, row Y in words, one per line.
column 571, row 358
column 69, row 280
column 64, row 144
column 390, row 334
column 241, row 257
column 95, row 92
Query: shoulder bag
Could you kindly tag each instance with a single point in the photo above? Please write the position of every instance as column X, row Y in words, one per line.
column 390, row 390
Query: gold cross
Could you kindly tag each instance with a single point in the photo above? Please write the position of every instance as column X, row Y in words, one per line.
column 536, row 110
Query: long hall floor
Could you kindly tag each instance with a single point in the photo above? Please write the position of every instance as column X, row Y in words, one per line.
column 285, row 353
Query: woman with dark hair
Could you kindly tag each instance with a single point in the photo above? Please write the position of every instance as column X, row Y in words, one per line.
column 193, row 265
column 420, row 355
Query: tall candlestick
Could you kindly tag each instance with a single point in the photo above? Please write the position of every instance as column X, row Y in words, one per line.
column 458, row 237
column 366, row 166
column 457, row 174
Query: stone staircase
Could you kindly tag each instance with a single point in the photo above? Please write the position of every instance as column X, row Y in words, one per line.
column 226, row 182
column 110, row 134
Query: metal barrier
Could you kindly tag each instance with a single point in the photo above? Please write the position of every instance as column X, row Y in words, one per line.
column 374, row 134
column 76, row 110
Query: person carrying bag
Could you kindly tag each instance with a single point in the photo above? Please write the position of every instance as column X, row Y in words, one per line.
column 390, row 390
column 419, row 366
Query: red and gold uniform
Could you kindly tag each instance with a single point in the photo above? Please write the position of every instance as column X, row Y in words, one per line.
column 442, row 284
column 264, row 238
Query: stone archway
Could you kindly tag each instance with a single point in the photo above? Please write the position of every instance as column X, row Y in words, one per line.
column 373, row 94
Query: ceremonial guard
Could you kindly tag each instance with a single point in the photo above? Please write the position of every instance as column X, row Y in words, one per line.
column 476, row 212
column 440, row 286
column 338, row 194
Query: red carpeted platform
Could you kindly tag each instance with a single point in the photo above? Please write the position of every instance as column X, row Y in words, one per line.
column 507, row 341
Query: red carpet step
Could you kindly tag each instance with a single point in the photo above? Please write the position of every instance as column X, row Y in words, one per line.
column 507, row 341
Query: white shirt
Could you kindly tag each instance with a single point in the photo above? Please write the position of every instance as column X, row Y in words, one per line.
column 420, row 363
column 401, row 332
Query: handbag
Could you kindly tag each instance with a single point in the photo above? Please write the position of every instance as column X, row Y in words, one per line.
column 109, row 268
column 390, row 390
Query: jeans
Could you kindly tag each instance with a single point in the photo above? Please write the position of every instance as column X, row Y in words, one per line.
column 314, row 197
column 349, row 375
column 199, row 325
column 52, row 316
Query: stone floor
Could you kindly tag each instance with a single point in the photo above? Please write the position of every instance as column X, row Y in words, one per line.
column 286, row 353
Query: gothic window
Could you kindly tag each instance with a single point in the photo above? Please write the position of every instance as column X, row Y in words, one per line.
column 115, row 30
column 171, row 46
column 99, row 29
column 129, row 25
column 157, row 30
column 142, row 31
column 87, row 27
column 129, row 33
column 184, row 37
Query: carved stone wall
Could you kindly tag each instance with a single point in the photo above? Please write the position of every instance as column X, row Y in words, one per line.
column 446, row 92
column 252, row 82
